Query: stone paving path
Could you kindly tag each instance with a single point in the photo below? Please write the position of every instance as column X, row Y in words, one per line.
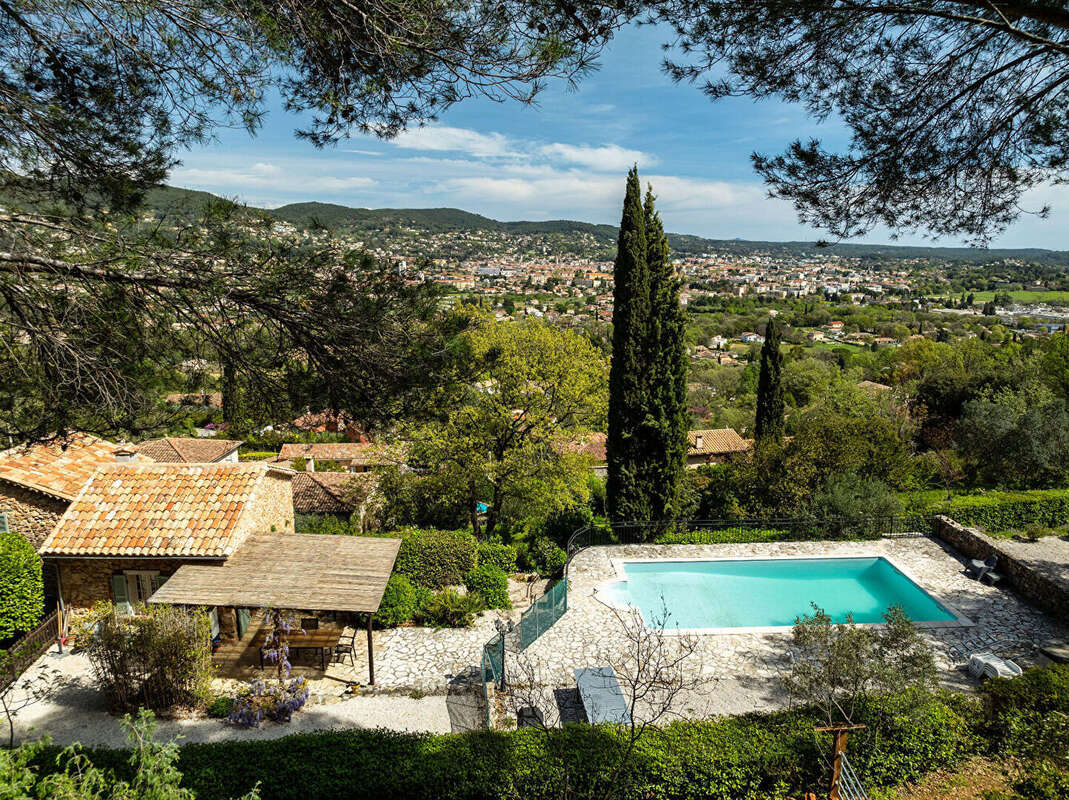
column 590, row 633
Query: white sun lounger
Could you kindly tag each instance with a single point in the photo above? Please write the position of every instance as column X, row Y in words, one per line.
column 989, row 665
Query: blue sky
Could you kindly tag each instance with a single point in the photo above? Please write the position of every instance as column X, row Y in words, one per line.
column 564, row 158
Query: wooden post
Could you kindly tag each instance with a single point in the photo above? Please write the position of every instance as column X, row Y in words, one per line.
column 370, row 654
column 839, row 747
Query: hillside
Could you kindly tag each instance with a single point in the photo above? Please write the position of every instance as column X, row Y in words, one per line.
column 181, row 203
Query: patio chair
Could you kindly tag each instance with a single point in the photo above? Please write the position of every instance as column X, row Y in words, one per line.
column 989, row 665
column 310, row 623
column 978, row 568
column 346, row 648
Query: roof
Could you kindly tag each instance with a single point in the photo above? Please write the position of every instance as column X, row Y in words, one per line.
column 328, row 492
column 159, row 510
column 59, row 468
column 873, row 386
column 356, row 452
column 717, row 440
column 325, row 420
column 591, row 444
column 290, row 570
column 214, row 399
column 182, row 450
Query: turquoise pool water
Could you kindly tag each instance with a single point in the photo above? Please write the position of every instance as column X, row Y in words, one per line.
column 755, row 593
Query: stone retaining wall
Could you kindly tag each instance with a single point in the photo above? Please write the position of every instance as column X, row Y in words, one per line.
column 1041, row 590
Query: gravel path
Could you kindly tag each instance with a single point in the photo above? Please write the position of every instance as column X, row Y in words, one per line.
column 76, row 714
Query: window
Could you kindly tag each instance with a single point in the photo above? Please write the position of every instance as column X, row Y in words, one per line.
column 4, row 527
column 134, row 586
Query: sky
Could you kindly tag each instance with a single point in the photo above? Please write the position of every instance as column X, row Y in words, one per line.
column 565, row 158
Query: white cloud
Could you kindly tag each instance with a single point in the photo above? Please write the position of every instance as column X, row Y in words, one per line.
column 266, row 176
column 446, row 139
column 608, row 158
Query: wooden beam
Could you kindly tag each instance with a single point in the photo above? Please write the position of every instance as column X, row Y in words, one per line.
column 370, row 654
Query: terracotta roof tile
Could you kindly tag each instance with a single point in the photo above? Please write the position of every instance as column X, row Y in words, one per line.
column 182, row 450
column 715, row 441
column 60, row 468
column 328, row 492
column 360, row 453
column 157, row 509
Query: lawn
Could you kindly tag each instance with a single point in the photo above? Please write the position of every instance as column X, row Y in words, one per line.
column 1024, row 296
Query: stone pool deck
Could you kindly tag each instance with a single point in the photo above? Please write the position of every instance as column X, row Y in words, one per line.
column 591, row 633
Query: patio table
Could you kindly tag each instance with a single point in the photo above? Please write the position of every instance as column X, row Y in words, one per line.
column 322, row 639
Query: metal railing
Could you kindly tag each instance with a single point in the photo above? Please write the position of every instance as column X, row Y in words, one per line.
column 28, row 648
column 850, row 787
column 546, row 610
column 492, row 670
column 771, row 529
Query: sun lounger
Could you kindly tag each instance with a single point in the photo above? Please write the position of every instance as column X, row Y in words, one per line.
column 978, row 568
column 601, row 695
column 989, row 665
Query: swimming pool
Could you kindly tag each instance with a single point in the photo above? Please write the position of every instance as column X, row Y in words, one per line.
column 724, row 595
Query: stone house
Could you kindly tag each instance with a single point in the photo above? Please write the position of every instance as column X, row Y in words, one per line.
column 714, row 446
column 38, row 482
column 350, row 456
column 133, row 525
column 184, row 450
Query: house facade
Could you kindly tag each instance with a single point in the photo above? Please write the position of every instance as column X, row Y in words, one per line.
column 132, row 525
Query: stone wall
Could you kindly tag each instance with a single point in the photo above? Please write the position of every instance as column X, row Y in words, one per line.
column 1035, row 587
column 269, row 509
column 85, row 581
column 30, row 513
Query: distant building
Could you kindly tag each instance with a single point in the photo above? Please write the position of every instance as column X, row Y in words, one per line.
column 713, row 446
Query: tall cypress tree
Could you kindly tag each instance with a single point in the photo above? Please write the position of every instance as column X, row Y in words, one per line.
column 667, row 420
column 770, row 386
column 627, row 386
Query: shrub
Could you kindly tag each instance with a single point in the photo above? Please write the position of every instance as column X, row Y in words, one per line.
column 324, row 524
column 435, row 558
column 399, row 602
column 451, row 609
column 257, row 455
column 220, row 707
column 21, row 588
column 157, row 659
column 546, row 558
column 1028, row 711
column 1001, row 510
column 502, row 556
column 276, row 701
column 725, row 536
column 561, row 524
column 491, row 584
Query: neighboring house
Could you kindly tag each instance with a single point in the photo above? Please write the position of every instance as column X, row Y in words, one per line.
column 749, row 337
column 132, row 525
column 593, row 445
column 330, row 421
column 351, row 456
column 714, row 446
column 207, row 399
column 338, row 494
column 38, row 482
column 873, row 388
column 181, row 450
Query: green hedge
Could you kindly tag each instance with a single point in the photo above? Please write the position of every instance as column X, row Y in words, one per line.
column 399, row 602
column 502, row 556
column 435, row 558
column 21, row 588
column 753, row 757
column 491, row 584
column 1025, row 713
column 725, row 536
column 998, row 510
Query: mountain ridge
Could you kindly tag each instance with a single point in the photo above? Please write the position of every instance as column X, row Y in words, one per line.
column 182, row 202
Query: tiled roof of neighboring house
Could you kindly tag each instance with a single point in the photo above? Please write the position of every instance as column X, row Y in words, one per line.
column 157, row 510
column 364, row 453
column 592, row 444
column 872, row 386
column 715, row 441
column 329, row 492
column 58, row 468
column 329, row 420
column 195, row 399
column 181, row 450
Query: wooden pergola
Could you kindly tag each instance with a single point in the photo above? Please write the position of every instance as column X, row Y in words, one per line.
column 293, row 571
